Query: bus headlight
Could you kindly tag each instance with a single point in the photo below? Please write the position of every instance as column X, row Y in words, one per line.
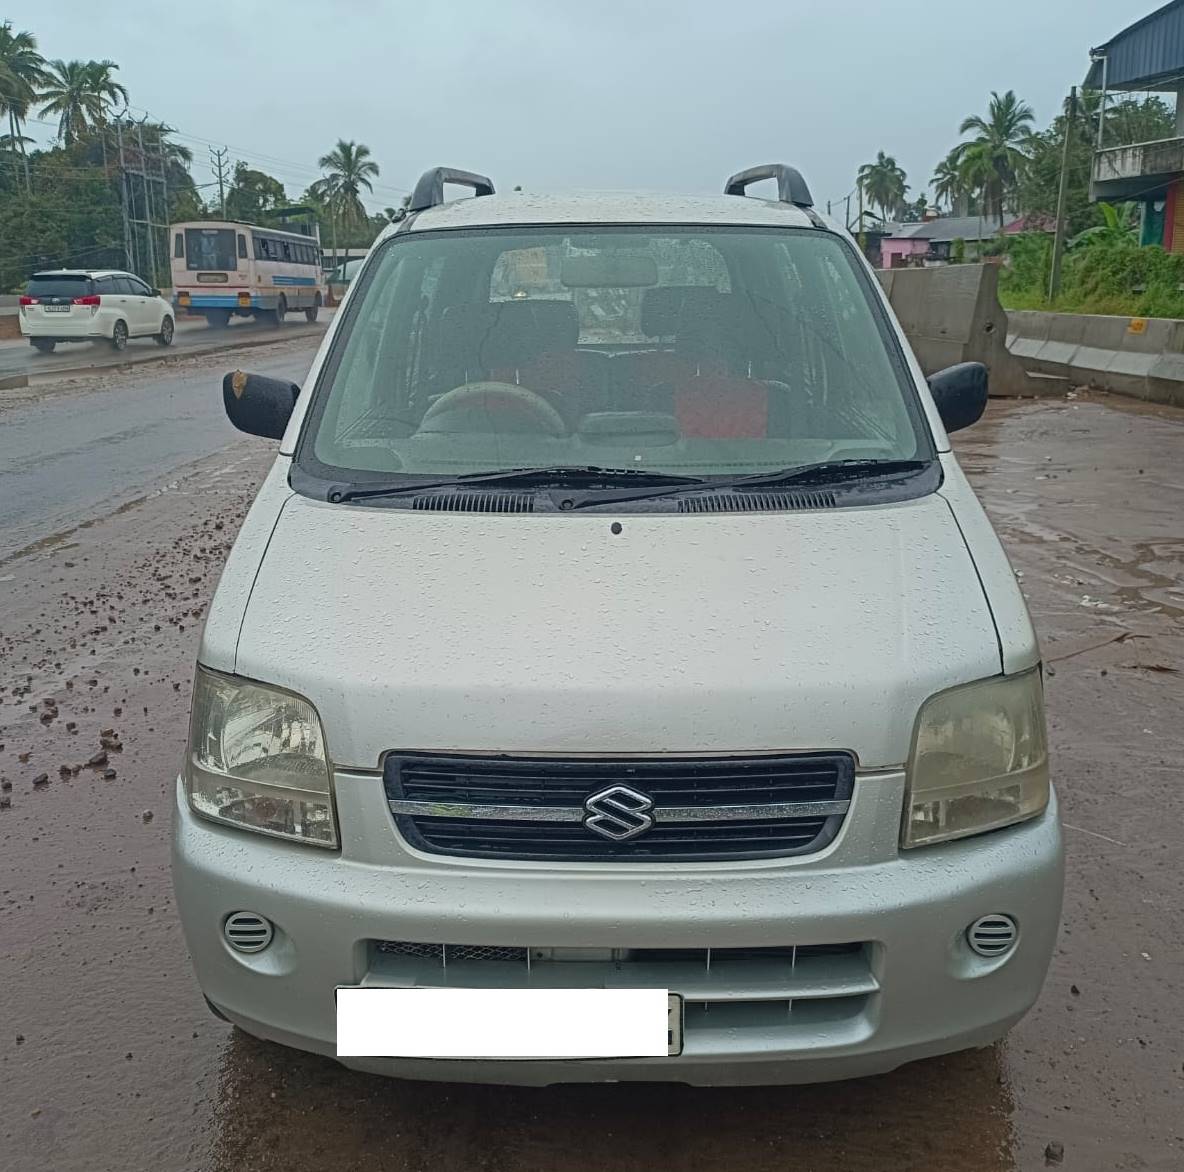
column 257, row 760
column 979, row 760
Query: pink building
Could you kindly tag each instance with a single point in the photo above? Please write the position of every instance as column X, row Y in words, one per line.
column 933, row 241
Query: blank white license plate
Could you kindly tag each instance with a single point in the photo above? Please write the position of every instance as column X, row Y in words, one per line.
column 508, row 1023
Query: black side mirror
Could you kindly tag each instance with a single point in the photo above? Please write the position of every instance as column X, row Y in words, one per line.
column 259, row 405
column 155, row 292
column 960, row 394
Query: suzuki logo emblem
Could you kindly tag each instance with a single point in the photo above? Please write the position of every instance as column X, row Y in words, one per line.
column 618, row 813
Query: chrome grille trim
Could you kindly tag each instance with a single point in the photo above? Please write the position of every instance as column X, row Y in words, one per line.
column 578, row 814
column 622, row 809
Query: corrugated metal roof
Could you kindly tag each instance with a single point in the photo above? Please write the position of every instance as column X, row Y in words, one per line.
column 951, row 228
column 1146, row 55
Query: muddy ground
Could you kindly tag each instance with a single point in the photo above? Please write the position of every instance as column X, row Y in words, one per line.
column 109, row 1060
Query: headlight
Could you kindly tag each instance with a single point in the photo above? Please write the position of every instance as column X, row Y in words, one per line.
column 257, row 760
column 979, row 760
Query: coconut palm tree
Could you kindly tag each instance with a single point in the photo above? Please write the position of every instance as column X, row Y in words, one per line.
column 349, row 170
column 22, row 72
column 992, row 160
column 883, row 183
column 80, row 94
column 948, row 182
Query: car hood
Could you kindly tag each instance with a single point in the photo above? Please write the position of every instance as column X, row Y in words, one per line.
column 679, row 634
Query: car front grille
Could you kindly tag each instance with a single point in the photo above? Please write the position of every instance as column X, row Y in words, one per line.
column 638, row 810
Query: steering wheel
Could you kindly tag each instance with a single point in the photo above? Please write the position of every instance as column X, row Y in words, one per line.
column 498, row 396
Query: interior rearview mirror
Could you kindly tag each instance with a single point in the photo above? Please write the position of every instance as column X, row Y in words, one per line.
column 608, row 270
column 960, row 394
column 259, row 405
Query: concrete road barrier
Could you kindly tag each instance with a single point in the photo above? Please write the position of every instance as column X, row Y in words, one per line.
column 952, row 314
column 10, row 322
column 1136, row 356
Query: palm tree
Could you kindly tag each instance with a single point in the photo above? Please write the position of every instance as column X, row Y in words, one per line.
column 350, row 169
column 80, row 94
column 22, row 72
column 948, row 182
column 992, row 160
column 883, row 182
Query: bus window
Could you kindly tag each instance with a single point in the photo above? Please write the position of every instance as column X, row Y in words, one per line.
column 209, row 248
column 178, row 245
column 242, row 246
column 287, row 250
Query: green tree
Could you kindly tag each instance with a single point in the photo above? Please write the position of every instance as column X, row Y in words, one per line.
column 22, row 73
column 72, row 218
column 1128, row 120
column 81, row 95
column 949, row 184
column 349, row 170
column 992, row 161
column 883, row 184
column 253, row 194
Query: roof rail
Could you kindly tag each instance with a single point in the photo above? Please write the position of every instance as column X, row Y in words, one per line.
column 429, row 191
column 791, row 187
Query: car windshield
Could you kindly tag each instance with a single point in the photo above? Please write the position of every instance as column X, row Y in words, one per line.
column 701, row 352
column 56, row 285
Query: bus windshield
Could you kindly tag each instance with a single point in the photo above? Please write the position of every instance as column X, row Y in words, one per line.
column 210, row 248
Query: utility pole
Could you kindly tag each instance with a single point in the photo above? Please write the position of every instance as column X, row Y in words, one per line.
column 219, row 164
column 127, row 227
column 847, row 216
column 140, row 223
column 150, row 229
column 1058, row 244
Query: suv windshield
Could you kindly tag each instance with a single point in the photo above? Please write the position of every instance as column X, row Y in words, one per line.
column 696, row 352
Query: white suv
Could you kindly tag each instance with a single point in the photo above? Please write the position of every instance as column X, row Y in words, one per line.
column 80, row 305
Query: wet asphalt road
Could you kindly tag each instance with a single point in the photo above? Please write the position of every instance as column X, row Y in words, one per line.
column 108, row 1059
column 18, row 357
column 87, row 446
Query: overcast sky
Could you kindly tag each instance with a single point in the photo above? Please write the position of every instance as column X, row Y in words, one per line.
column 556, row 95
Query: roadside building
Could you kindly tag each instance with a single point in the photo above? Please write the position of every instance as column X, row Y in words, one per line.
column 1147, row 56
column 935, row 242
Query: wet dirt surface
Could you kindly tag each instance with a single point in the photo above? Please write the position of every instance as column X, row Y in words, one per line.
column 109, row 1060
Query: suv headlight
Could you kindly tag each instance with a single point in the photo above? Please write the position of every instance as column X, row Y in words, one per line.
column 257, row 760
column 979, row 760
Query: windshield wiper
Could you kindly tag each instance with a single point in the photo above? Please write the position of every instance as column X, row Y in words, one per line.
column 829, row 472
column 565, row 475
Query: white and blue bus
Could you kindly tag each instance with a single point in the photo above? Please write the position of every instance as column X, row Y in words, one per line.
column 223, row 269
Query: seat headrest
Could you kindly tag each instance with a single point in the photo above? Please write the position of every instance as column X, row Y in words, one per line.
column 714, row 332
column 517, row 332
column 663, row 306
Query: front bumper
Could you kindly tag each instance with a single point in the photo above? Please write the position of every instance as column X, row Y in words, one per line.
column 928, row 994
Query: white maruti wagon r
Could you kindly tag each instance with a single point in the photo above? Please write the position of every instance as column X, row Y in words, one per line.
column 86, row 305
column 615, row 677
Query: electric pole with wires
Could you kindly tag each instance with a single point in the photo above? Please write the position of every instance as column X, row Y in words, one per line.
column 220, row 165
